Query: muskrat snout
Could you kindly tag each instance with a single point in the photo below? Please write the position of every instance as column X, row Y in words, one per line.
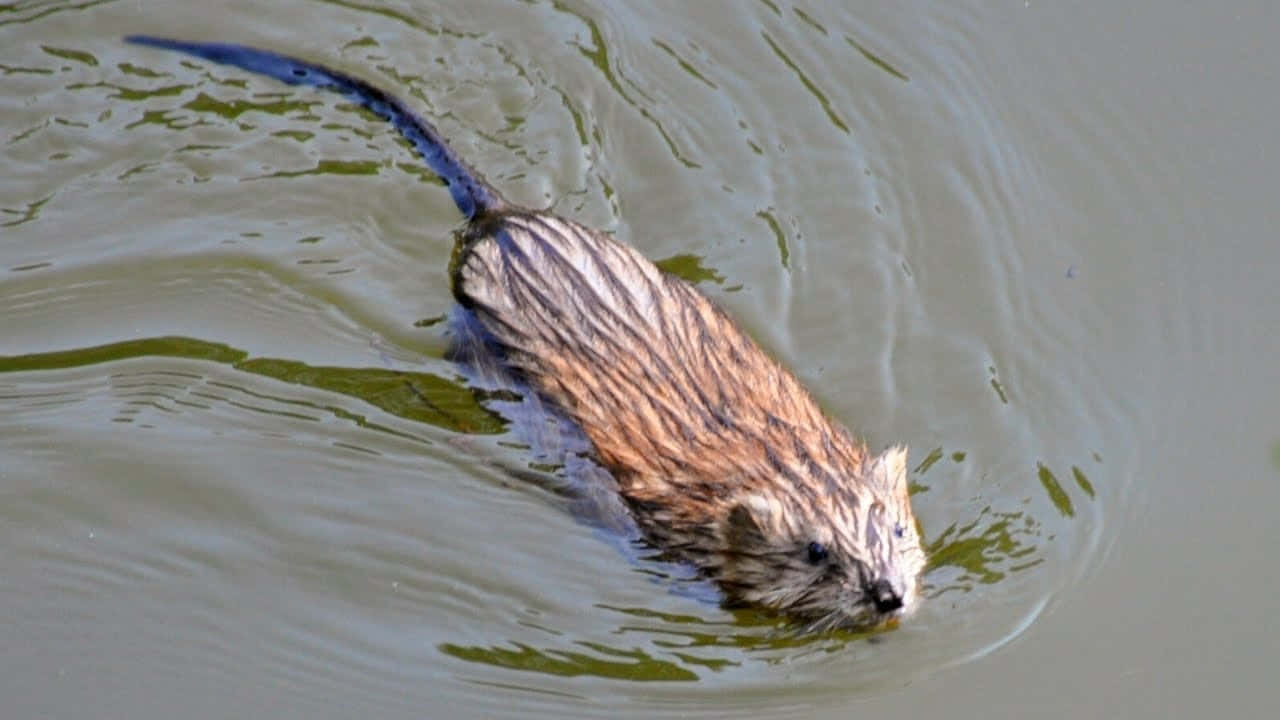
column 886, row 598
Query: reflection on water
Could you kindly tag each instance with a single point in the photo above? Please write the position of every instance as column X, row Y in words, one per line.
column 417, row 396
column 690, row 267
column 66, row 54
column 633, row 665
column 597, row 52
column 18, row 216
column 683, row 647
column 983, row 550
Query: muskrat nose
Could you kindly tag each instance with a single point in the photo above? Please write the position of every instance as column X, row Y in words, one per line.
column 886, row 598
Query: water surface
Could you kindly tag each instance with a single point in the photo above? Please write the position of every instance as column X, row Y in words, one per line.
column 1034, row 243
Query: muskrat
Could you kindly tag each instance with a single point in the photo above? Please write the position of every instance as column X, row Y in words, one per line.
column 724, row 460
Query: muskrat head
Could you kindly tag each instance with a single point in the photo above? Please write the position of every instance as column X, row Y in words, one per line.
column 846, row 555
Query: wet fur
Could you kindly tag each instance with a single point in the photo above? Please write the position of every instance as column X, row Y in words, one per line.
column 724, row 460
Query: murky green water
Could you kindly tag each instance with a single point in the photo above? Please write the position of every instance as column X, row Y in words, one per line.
column 238, row 478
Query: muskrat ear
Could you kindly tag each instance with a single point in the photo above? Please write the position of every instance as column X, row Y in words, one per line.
column 891, row 468
column 742, row 526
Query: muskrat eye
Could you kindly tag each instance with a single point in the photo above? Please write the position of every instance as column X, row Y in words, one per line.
column 817, row 553
column 899, row 531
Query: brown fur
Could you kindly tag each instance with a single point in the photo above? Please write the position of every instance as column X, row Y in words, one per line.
column 724, row 458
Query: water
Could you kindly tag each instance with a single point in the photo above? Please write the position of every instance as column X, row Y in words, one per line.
column 1035, row 243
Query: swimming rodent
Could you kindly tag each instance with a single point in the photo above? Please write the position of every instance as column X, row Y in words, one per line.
column 724, row 460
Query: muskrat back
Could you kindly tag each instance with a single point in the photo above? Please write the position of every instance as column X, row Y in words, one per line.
column 723, row 458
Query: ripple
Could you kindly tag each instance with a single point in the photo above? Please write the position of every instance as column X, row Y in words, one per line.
column 420, row 397
column 236, row 464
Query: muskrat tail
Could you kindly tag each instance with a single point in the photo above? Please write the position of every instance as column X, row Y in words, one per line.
column 473, row 196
